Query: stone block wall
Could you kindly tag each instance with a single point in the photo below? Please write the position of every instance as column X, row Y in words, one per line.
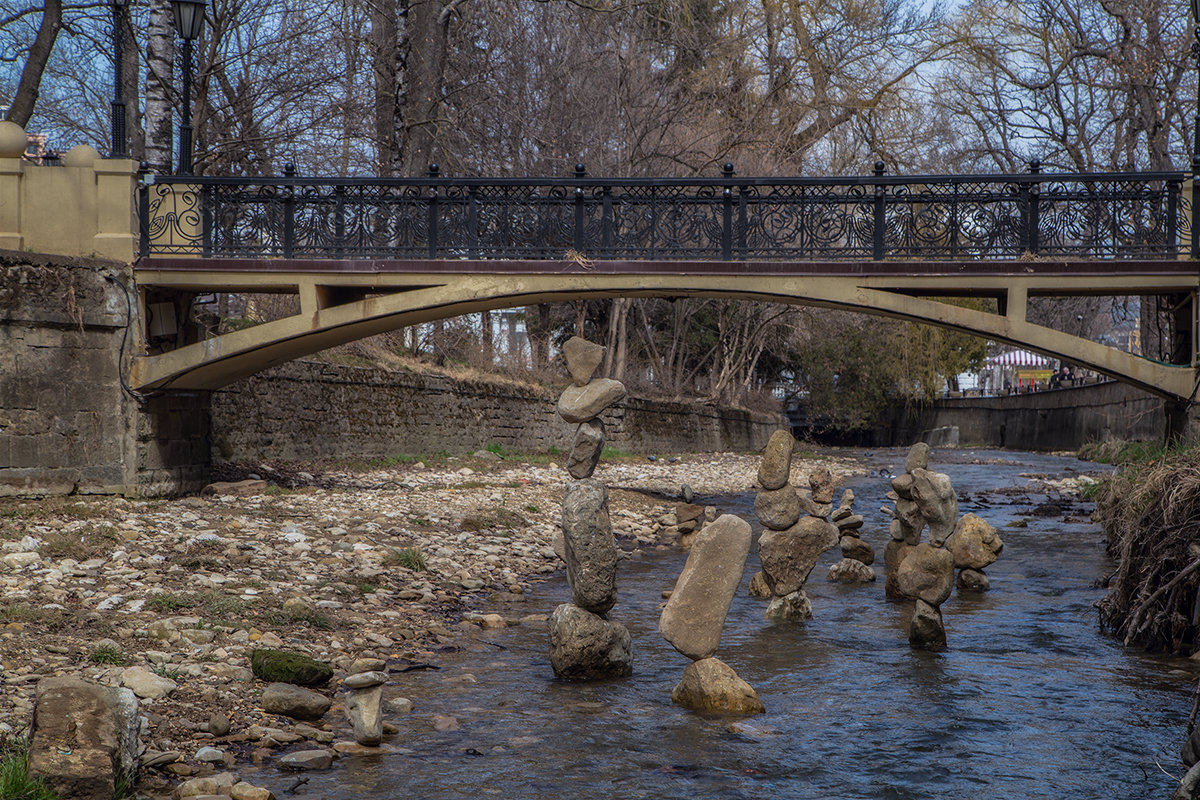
column 310, row 410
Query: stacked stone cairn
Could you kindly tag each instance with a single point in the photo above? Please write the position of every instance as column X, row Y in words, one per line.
column 857, row 555
column 364, row 704
column 584, row 643
column 695, row 614
column 796, row 530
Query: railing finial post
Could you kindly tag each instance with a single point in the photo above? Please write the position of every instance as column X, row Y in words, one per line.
column 727, row 170
column 880, row 216
column 289, row 170
column 580, row 170
column 434, row 169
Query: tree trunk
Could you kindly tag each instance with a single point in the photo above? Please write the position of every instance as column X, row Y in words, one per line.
column 160, row 94
column 427, row 38
column 35, row 64
column 485, row 338
column 131, row 78
column 387, row 65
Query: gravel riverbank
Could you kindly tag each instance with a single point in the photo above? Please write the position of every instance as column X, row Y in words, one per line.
column 170, row 597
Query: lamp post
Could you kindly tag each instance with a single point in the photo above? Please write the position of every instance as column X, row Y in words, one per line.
column 1196, row 139
column 189, row 22
column 118, row 101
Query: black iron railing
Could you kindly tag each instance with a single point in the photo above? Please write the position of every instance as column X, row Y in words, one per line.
column 978, row 217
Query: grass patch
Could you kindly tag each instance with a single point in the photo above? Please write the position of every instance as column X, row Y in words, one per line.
column 500, row 518
column 164, row 672
column 170, row 601
column 410, row 558
column 531, row 509
column 311, row 619
column 52, row 618
column 275, row 490
column 107, row 654
column 81, row 545
column 1123, row 453
column 15, row 783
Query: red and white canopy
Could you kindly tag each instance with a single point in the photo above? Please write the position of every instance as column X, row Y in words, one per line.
column 1021, row 359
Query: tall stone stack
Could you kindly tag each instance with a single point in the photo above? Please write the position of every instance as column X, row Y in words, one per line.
column 695, row 614
column 584, row 643
column 857, row 555
column 907, row 522
column 796, row 529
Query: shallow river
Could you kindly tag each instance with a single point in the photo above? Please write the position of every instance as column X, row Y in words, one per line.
column 1030, row 701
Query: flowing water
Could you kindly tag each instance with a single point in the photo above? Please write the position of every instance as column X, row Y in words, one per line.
column 1030, row 701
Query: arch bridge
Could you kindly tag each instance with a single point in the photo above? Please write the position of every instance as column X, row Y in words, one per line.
column 364, row 256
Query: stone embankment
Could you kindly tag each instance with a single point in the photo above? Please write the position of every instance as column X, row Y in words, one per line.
column 369, row 572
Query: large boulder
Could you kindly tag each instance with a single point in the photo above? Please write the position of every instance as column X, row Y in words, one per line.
column 893, row 556
column 850, row 570
column 789, row 556
column 777, row 509
column 586, row 449
column 927, row 573
column 583, row 403
column 364, row 709
column 938, row 504
column 926, row 630
column 285, row 666
column 588, row 546
column 693, row 617
column 585, row 646
column 776, row 465
column 711, row 685
column 789, row 608
column 975, row 544
column 583, row 357
column 295, row 701
column 84, row 738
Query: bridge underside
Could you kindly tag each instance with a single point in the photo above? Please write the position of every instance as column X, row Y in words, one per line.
column 341, row 301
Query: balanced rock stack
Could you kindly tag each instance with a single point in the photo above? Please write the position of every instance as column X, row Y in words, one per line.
column 907, row 522
column 974, row 544
column 364, row 705
column 584, row 643
column 857, row 555
column 695, row 614
column 796, row 531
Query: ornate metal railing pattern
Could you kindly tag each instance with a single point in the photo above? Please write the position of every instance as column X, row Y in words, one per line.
column 974, row 217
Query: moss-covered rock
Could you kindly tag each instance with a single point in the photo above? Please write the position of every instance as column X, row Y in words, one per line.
column 283, row 666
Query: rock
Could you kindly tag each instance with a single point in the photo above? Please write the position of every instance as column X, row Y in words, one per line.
column 218, row 724
column 777, row 509
column 583, row 403
column 685, row 491
column 792, row 607
column 365, row 680
column 693, row 617
column 758, row 586
column 841, row 513
column 589, row 547
column 821, row 482
column 364, row 709
column 711, row 685
column 398, row 705
column 776, row 465
column 972, row 580
column 975, row 544
column 83, row 738
column 813, row 508
column 220, row 784
column 893, row 556
column 584, row 646
column 938, row 504
column 688, row 512
column 855, row 548
column 911, row 522
column 248, row 791
column 284, row 666
column 146, row 684
column 926, row 630
column 902, row 485
column 586, row 449
column 295, row 701
column 850, row 570
column 583, row 357
column 307, row 760
column 917, row 458
column 1190, row 752
column 210, row 755
column 485, row 455
column 1189, row 786
column 789, row 556
column 444, row 722
column 927, row 573
column 356, row 749
column 848, row 523
column 236, row 488
column 366, row 665
column 847, row 499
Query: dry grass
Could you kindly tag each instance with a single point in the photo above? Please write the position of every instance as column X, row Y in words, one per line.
column 1151, row 513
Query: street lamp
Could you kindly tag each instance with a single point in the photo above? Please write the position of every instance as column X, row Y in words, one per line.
column 118, row 101
column 189, row 22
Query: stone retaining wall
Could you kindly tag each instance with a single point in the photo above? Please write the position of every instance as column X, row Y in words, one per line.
column 313, row 410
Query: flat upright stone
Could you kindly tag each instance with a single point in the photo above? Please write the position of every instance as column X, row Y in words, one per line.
column 789, row 556
column 972, row 580
column 795, row 607
column 820, row 480
column 917, row 457
column 693, row 617
column 855, row 548
column 975, row 544
column 712, row 686
column 295, row 701
column 850, row 570
column 583, row 403
column 776, row 465
column 777, row 509
column 84, row 737
column 927, row 573
column 585, row 646
column 589, row 547
column 364, row 709
column 926, row 630
column 934, row 496
column 583, row 358
column 894, row 554
column 586, row 449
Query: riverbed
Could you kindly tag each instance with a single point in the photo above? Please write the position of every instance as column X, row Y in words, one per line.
column 1030, row 700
